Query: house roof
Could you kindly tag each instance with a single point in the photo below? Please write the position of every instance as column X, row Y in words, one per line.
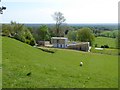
column 59, row 38
column 81, row 43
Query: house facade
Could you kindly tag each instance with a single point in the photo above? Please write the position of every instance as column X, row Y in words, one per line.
column 83, row 46
column 59, row 42
column 43, row 43
column 62, row 42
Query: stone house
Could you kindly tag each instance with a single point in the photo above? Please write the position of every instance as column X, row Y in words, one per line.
column 43, row 43
column 59, row 42
column 62, row 42
column 83, row 46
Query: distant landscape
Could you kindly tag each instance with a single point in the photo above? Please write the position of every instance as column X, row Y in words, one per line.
column 58, row 70
column 26, row 66
column 100, row 26
column 59, row 44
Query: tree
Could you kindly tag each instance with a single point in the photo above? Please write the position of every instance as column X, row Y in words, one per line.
column 85, row 35
column 59, row 18
column 52, row 31
column 118, row 41
column 72, row 35
column 15, row 28
column 19, row 32
column 43, row 32
column 6, row 30
column 11, row 29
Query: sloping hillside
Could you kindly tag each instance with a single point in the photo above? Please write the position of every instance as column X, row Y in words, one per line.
column 0, row 63
column 25, row 66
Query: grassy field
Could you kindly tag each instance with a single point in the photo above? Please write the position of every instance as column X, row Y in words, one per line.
column 106, row 51
column 111, row 42
column 56, row 70
column 0, row 62
column 110, row 33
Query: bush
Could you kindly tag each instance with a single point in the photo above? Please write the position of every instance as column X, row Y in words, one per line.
column 32, row 42
column 47, row 50
column 19, row 32
column 95, row 45
column 104, row 46
column 27, row 41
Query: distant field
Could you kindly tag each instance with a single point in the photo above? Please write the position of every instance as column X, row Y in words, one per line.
column 111, row 42
column 113, row 33
column 58, row 70
column 106, row 51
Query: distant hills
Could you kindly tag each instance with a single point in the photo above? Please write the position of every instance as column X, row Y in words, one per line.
column 99, row 26
column 102, row 26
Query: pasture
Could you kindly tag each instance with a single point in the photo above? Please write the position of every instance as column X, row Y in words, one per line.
column 111, row 42
column 55, row 70
column 106, row 51
column 113, row 33
column 0, row 62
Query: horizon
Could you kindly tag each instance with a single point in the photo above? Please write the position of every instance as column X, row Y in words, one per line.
column 54, row 23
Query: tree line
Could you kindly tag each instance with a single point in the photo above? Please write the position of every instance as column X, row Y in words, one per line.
column 31, row 35
column 19, row 32
column 44, row 33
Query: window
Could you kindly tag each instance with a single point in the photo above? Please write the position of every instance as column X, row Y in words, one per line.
column 61, row 45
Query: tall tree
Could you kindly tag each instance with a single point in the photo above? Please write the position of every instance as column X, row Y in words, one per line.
column 43, row 32
column 19, row 32
column 85, row 35
column 72, row 35
column 59, row 18
column 16, row 28
column 118, row 41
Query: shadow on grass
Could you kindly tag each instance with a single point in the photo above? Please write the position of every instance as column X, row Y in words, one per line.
column 47, row 50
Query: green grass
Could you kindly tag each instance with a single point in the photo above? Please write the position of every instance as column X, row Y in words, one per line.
column 58, row 70
column 101, row 41
column 0, row 62
column 111, row 42
column 106, row 51
column 110, row 33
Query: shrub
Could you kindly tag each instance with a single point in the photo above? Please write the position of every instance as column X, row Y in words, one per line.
column 106, row 46
column 47, row 50
column 32, row 42
column 19, row 32
column 27, row 41
column 95, row 45
column 102, row 46
column 118, row 53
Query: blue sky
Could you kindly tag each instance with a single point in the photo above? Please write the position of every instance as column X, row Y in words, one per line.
column 75, row 11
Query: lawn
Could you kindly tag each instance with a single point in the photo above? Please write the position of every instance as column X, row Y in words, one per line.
column 111, row 42
column 0, row 62
column 55, row 70
column 113, row 33
column 106, row 51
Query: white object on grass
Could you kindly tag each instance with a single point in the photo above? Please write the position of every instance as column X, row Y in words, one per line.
column 81, row 63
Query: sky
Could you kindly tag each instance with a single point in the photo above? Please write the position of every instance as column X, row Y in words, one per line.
column 75, row 11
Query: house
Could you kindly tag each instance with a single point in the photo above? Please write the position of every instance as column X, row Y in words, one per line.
column 59, row 42
column 43, row 43
column 82, row 46
column 62, row 42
